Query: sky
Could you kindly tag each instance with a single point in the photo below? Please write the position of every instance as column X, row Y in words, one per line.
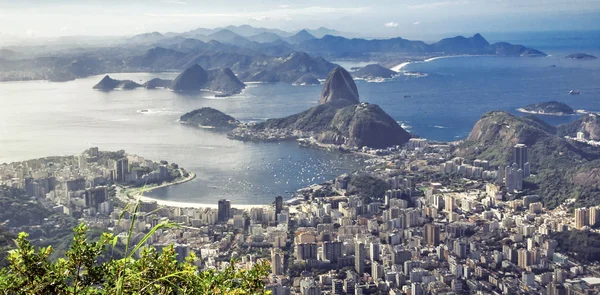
column 375, row 18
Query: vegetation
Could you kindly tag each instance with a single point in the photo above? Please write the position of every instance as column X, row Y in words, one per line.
column 368, row 187
column 582, row 245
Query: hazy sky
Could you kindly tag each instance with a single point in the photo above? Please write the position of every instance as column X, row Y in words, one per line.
column 410, row 18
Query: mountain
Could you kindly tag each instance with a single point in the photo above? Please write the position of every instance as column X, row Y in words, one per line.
column 322, row 32
column 284, row 69
column 581, row 56
column 227, row 36
column 548, row 108
column 6, row 53
column 224, row 81
column 336, row 46
column 562, row 169
column 209, row 118
column 461, row 45
column 339, row 86
column 193, row 78
column 107, row 83
column 307, row 79
column 589, row 125
column 264, row 37
column 373, row 71
column 339, row 119
column 300, row 37
column 157, row 58
column 147, row 38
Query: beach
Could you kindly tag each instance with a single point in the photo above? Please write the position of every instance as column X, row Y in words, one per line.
column 197, row 205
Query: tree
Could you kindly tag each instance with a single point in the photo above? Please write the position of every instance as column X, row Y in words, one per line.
column 80, row 272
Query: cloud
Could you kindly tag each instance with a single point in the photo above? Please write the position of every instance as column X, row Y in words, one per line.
column 434, row 5
column 173, row 1
column 391, row 24
column 416, row 23
column 274, row 14
column 64, row 29
column 259, row 18
column 284, row 6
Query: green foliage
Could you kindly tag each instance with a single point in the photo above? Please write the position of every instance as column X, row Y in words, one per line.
column 80, row 272
column 368, row 187
column 582, row 245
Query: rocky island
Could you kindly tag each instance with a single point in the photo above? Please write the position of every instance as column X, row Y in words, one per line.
column 580, row 56
column 209, row 118
column 374, row 71
column 107, row 83
column 340, row 120
column 195, row 78
column 552, row 108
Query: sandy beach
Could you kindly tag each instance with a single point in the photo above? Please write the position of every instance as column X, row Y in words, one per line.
column 197, row 205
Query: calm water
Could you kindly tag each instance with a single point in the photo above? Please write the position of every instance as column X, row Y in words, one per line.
column 40, row 118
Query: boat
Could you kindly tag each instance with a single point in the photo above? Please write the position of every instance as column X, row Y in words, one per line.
column 574, row 92
column 405, row 96
column 144, row 111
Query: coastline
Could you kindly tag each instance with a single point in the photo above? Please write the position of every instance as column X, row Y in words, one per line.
column 197, row 205
column 522, row 110
column 399, row 67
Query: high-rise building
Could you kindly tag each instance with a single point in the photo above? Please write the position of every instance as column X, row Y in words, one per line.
column 374, row 251
column 332, row 251
column 95, row 196
column 306, row 251
column 520, row 155
column 448, row 203
column 224, row 210
column 337, row 286
column 460, row 249
column 524, row 258
column 122, row 168
column 581, row 217
column 277, row 260
column 278, row 204
column 432, row 234
column 359, row 258
column 593, row 212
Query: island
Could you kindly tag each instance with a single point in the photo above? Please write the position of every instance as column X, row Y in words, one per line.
column 221, row 81
column 551, row 108
column 581, row 56
column 209, row 118
column 107, row 83
column 374, row 71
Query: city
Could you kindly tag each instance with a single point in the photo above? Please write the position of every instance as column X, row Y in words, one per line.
column 441, row 226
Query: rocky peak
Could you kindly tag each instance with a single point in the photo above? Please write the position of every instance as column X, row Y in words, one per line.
column 193, row 78
column 339, row 86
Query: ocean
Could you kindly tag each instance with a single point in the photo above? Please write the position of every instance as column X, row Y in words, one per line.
column 440, row 100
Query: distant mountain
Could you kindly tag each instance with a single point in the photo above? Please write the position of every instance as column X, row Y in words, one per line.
column 157, row 58
column 209, row 118
column 343, row 47
column 374, row 71
column 107, row 84
column 227, row 36
column 147, row 38
column 581, row 56
column 322, row 32
column 562, row 168
column 300, row 37
column 307, row 79
column 548, row 108
column 286, row 69
column 5, row 53
column 264, row 37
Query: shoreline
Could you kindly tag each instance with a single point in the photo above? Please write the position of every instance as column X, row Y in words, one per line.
column 179, row 204
column 399, row 67
column 522, row 110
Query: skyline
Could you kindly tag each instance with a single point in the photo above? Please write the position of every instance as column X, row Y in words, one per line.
column 411, row 19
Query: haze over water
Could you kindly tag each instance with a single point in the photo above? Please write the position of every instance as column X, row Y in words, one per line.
column 40, row 119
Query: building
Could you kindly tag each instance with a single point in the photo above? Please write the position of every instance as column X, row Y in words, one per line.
column 332, row 251
column 581, row 218
column 432, row 234
column 359, row 257
column 593, row 213
column 520, row 156
column 122, row 168
column 448, row 203
column 95, row 196
column 277, row 261
column 224, row 210
column 306, row 251
column 278, row 204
